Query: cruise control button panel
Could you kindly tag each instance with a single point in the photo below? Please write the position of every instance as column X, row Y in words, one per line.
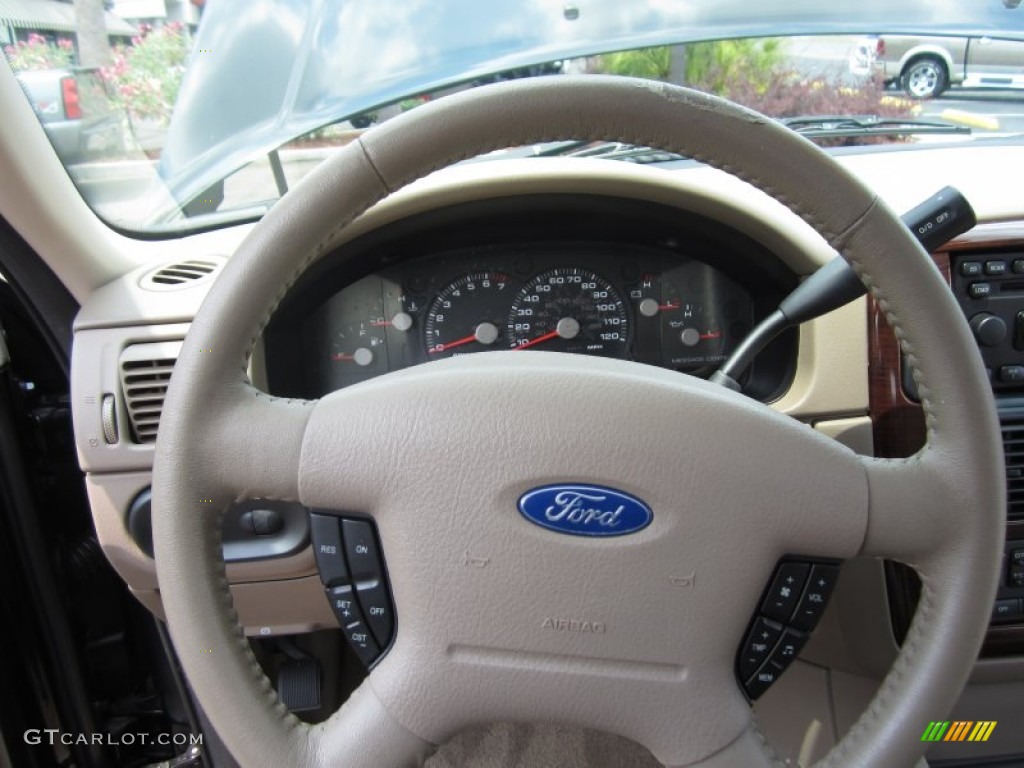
column 352, row 570
column 790, row 608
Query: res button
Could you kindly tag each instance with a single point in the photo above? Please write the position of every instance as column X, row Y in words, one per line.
column 330, row 558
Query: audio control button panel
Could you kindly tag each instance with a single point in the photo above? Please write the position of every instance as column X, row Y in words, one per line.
column 351, row 565
column 990, row 290
column 790, row 608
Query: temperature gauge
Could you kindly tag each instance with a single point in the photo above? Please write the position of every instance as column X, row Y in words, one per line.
column 690, row 333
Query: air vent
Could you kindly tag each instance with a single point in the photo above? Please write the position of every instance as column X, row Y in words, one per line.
column 1013, row 447
column 181, row 274
column 145, row 372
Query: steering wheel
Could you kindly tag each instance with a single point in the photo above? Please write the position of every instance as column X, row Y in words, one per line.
column 439, row 454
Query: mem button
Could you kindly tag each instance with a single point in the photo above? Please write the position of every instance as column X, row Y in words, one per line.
column 361, row 550
column 762, row 679
column 327, row 548
column 785, row 591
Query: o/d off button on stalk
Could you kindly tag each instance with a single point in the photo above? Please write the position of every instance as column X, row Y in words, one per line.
column 352, row 570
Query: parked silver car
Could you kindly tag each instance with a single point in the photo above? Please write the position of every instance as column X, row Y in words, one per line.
column 74, row 108
column 925, row 66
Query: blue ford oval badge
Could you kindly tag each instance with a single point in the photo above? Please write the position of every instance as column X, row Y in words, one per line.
column 585, row 510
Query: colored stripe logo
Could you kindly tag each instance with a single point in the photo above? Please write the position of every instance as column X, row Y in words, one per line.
column 959, row 730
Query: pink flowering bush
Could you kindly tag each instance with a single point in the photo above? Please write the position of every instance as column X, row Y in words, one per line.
column 38, row 53
column 144, row 77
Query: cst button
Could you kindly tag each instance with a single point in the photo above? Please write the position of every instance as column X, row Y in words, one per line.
column 362, row 643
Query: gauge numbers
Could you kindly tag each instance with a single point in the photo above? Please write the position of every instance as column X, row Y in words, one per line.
column 570, row 310
column 468, row 315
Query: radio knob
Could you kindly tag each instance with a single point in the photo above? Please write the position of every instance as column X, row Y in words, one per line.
column 988, row 329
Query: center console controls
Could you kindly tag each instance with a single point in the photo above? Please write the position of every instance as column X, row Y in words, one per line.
column 990, row 289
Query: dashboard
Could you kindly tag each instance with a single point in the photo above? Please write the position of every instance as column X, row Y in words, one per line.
column 594, row 277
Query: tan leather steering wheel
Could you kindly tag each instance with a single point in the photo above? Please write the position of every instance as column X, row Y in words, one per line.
column 438, row 455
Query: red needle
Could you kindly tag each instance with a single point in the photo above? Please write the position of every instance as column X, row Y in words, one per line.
column 538, row 340
column 457, row 343
column 669, row 306
column 340, row 358
column 711, row 335
column 379, row 323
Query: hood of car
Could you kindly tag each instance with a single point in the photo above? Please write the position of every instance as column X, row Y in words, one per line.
column 260, row 78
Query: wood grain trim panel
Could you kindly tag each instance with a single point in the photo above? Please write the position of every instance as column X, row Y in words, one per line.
column 898, row 422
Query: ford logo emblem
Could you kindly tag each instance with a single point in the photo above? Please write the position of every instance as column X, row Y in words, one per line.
column 585, row 510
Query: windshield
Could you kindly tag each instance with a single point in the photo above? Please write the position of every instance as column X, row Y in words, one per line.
column 173, row 117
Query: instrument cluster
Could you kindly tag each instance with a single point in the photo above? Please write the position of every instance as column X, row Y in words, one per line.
column 632, row 303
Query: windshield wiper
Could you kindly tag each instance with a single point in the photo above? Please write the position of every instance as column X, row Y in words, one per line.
column 848, row 126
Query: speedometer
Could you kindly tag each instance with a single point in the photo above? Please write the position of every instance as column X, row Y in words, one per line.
column 570, row 310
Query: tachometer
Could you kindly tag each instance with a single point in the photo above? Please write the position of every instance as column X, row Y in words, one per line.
column 570, row 310
column 468, row 315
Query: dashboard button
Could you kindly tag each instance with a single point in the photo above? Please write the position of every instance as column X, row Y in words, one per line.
column 970, row 268
column 1007, row 609
column 820, row 584
column 995, row 267
column 1018, row 266
column 1011, row 374
column 327, row 549
column 1016, row 575
column 758, row 645
column 789, row 647
column 979, row 290
column 373, row 597
column 785, row 591
column 361, row 550
column 1018, row 331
